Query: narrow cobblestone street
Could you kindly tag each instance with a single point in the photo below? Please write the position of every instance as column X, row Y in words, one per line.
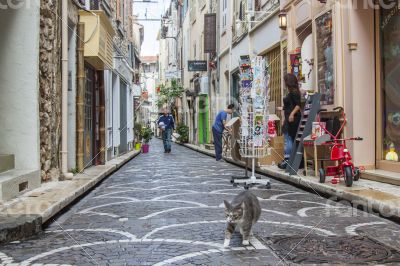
column 167, row 209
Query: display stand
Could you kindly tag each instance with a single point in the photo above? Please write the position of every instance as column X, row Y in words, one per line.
column 254, row 116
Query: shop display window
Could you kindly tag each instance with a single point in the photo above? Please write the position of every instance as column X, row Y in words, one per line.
column 325, row 68
column 390, row 85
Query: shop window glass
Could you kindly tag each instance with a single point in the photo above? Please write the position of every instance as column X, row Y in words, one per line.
column 325, row 68
column 390, row 54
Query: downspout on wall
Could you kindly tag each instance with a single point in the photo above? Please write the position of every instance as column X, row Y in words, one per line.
column 64, row 89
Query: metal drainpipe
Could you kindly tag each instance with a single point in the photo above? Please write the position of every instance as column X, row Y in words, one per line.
column 210, row 96
column 64, row 89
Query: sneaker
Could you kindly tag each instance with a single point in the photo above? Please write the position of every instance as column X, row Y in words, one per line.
column 282, row 165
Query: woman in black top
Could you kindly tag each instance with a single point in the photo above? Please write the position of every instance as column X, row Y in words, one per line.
column 292, row 115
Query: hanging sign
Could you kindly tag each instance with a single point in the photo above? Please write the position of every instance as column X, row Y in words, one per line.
column 197, row 65
column 210, row 33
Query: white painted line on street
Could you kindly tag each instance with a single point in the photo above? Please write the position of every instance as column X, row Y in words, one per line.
column 5, row 260
column 302, row 212
column 186, row 256
column 323, row 231
column 181, row 194
column 103, row 230
column 142, row 189
column 277, row 212
column 287, row 194
column 177, row 209
column 351, row 229
column 256, row 243
column 179, row 225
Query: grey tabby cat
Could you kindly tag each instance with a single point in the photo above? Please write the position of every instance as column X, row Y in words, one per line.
column 242, row 212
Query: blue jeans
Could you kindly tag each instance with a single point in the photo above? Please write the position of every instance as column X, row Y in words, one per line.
column 217, row 144
column 166, row 136
column 288, row 145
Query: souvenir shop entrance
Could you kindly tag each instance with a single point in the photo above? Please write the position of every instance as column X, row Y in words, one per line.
column 388, row 88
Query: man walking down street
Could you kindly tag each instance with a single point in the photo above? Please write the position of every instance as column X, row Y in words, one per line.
column 167, row 124
column 218, row 128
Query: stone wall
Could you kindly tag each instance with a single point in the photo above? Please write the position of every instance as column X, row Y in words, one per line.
column 50, row 89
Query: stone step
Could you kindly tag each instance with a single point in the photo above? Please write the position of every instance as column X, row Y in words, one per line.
column 7, row 162
column 18, row 227
column 16, row 182
column 383, row 176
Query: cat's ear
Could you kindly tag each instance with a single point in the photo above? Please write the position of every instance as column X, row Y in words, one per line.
column 227, row 205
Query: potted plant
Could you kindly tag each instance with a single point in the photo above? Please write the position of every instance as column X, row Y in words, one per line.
column 183, row 133
column 138, row 135
column 146, row 135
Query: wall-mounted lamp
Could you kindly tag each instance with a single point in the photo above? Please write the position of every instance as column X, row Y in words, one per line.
column 282, row 20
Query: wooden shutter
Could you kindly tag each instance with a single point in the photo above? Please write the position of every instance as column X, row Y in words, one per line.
column 274, row 63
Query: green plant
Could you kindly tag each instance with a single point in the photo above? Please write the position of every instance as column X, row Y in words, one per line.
column 74, row 171
column 183, row 131
column 167, row 95
column 147, row 134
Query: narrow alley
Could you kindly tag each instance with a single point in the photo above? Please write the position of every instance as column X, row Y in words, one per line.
column 167, row 209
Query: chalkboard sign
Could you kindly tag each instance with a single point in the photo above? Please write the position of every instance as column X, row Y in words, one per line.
column 197, row 65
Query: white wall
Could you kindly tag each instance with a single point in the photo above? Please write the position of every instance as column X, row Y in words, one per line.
column 361, row 111
column 241, row 48
column 108, row 81
column 116, row 120
column 266, row 36
column 19, row 90
column 129, row 110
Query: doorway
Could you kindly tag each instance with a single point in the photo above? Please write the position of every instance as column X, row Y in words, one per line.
column 123, row 118
column 90, row 121
column 204, row 136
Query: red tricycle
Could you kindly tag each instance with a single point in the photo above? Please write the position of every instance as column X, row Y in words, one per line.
column 344, row 167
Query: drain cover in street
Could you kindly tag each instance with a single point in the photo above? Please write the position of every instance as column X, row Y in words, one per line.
column 340, row 249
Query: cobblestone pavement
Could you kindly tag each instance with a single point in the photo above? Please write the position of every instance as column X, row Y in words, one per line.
column 166, row 209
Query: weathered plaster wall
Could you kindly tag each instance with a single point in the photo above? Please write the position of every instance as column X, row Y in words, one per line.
column 19, row 61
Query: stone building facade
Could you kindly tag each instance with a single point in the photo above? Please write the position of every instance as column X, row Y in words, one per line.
column 50, row 89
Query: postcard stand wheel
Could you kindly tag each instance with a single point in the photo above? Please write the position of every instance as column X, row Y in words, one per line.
column 254, row 117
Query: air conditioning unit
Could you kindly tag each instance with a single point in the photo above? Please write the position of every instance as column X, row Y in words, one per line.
column 204, row 86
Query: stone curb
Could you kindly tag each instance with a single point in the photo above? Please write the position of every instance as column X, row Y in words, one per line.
column 386, row 208
column 16, row 225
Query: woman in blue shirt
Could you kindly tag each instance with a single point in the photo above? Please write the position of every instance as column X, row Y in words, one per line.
column 218, row 129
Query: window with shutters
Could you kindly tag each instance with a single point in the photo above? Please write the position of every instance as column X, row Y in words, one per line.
column 224, row 12
column 240, row 18
column 192, row 10
column 120, row 10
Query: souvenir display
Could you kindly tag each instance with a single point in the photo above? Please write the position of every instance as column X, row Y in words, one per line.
column 258, row 130
column 271, row 129
column 392, row 154
column 246, row 76
column 254, row 106
column 295, row 64
column 390, row 83
column 325, row 68
column 254, row 114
